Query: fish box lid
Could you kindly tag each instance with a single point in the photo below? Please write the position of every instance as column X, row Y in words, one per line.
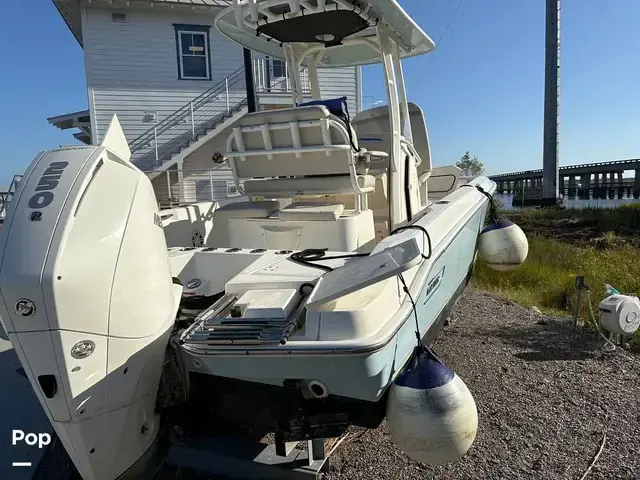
column 271, row 303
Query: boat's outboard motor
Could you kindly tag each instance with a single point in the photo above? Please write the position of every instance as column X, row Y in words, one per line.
column 88, row 301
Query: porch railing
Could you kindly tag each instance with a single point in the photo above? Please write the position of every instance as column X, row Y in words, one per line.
column 267, row 79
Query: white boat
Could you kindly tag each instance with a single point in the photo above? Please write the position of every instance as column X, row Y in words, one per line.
column 305, row 304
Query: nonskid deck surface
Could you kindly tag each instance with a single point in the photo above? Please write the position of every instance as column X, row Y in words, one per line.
column 263, row 306
column 271, row 272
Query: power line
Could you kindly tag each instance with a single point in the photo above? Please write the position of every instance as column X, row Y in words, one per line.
column 453, row 17
column 439, row 5
column 425, row 58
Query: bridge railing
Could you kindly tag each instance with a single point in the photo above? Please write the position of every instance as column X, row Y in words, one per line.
column 564, row 168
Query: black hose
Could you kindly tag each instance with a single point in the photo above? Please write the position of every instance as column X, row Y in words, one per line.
column 308, row 256
column 426, row 235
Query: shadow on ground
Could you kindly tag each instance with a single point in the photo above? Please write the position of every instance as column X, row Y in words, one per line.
column 21, row 410
column 551, row 340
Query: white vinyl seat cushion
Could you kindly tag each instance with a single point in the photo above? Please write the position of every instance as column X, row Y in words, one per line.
column 310, row 211
column 261, row 209
column 289, row 187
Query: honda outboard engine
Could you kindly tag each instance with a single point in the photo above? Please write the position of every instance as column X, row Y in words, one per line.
column 88, row 300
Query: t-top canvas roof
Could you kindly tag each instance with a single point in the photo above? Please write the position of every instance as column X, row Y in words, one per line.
column 344, row 29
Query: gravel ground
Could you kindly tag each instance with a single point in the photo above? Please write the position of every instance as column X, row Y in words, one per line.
column 546, row 396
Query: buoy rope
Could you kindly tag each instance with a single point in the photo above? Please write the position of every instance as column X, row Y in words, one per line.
column 426, row 242
column 493, row 211
column 595, row 459
column 415, row 311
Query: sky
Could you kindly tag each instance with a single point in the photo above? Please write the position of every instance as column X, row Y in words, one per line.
column 481, row 90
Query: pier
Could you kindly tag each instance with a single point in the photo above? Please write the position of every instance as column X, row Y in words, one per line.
column 604, row 180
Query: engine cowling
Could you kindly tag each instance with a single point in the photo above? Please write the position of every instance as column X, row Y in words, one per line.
column 88, row 301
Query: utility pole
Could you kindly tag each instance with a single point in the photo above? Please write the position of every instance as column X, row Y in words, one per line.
column 551, row 101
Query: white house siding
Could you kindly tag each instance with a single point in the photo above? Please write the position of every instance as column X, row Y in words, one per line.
column 334, row 82
column 340, row 82
column 132, row 71
column 132, row 68
column 203, row 179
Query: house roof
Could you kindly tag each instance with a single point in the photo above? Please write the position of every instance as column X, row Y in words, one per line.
column 71, row 120
column 70, row 9
column 78, row 120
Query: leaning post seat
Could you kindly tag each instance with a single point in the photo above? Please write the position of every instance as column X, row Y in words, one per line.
column 301, row 151
column 220, row 232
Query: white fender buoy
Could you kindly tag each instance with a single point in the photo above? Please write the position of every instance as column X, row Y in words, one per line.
column 503, row 245
column 431, row 413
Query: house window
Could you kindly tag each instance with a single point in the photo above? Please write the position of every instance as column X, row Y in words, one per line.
column 279, row 68
column 192, row 44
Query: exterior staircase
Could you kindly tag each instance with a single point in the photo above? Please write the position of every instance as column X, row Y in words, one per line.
column 179, row 134
column 7, row 196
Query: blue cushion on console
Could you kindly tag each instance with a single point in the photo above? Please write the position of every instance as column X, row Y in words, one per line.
column 336, row 106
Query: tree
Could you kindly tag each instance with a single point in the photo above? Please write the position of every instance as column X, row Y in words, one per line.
column 470, row 166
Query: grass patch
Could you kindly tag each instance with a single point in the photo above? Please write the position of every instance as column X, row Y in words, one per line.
column 556, row 257
column 590, row 226
column 627, row 215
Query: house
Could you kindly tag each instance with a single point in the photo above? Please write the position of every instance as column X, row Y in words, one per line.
column 177, row 85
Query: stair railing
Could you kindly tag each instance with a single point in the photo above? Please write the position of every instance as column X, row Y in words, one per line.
column 194, row 185
column 6, row 197
column 194, row 119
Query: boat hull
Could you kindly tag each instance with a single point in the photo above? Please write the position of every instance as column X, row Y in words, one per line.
column 362, row 374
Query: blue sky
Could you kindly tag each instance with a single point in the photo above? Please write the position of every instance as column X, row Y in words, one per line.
column 481, row 90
